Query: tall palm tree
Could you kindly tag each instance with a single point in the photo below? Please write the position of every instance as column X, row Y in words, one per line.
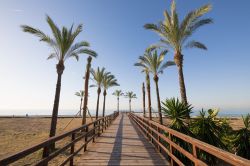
column 118, row 93
column 130, row 95
column 86, row 89
column 98, row 76
column 107, row 82
column 175, row 35
column 146, row 71
column 63, row 46
column 81, row 95
column 155, row 64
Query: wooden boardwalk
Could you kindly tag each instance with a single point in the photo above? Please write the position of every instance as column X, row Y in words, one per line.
column 121, row 144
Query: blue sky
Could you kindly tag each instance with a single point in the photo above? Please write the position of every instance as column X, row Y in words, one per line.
column 217, row 78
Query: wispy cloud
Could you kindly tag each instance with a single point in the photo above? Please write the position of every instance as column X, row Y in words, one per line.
column 17, row 10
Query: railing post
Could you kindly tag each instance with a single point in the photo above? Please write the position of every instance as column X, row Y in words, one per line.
column 159, row 138
column 102, row 124
column 99, row 128
column 171, row 149
column 71, row 162
column 45, row 153
column 94, row 128
column 86, row 138
column 194, row 154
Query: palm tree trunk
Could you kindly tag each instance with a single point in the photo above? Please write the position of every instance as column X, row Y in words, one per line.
column 97, row 104
column 178, row 58
column 149, row 95
column 60, row 69
column 118, row 104
column 80, row 108
column 143, row 100
column 86, row 89
column 104, row 102
column 130, row 105
column 158, row 98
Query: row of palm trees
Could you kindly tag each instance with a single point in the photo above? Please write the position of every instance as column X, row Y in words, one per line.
column 108, row 82
column 174, row 36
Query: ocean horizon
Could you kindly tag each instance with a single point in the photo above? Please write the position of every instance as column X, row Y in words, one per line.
column 72, row 112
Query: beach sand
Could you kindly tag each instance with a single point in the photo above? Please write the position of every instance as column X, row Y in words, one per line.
column 17, row 134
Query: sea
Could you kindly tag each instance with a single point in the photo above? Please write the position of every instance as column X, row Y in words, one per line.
column 71, row 112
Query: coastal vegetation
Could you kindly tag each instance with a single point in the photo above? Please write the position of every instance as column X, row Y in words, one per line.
column 207, row 127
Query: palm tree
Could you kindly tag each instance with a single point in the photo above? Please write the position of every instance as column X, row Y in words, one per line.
column 107, row 82
column 242, row 140
column 146, row 71
column 130, row 95
column 155, row 64
column 86, row 89
column 118, row 93
column 63, row 46
column 143, row 100
column 98, row 76
column 174, row 35
column 81, row 95
column 177, row 112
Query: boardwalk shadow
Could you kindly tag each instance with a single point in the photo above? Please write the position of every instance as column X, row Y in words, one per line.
column 116, row 153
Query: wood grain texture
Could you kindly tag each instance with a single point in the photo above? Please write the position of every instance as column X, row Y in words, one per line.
column 121, row 144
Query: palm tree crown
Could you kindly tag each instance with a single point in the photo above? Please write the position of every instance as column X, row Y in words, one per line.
column 117, row 93
column 109, row 81
column 152, row 62
column 130, row 95
column 175, row 34
column 62, row 41
column 80, row 93
column 98, row 76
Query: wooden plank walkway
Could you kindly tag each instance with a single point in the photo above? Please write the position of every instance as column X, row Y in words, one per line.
column 121, row 144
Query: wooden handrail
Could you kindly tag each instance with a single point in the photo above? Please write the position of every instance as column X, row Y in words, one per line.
column 146, row 127
column 81, row 133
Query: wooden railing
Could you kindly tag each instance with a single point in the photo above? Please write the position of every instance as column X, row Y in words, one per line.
column 162, row 137
column 85, row 133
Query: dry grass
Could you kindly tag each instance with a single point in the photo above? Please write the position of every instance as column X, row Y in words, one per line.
column 17, row 134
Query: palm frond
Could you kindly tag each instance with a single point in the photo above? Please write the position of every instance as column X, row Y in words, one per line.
column 195, row 44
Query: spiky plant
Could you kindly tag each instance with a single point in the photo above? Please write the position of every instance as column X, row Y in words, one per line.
column 209, row 129
column 242, row 139
column 155, row 64
column 63, row 47
column 177, row 112
column 118, row 93
column 98, row 76
column 107, row 82
column 175, row 34
column 130, row 95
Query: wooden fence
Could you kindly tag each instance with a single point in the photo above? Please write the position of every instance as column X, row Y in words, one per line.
column 85, row 133
column 163, row 138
